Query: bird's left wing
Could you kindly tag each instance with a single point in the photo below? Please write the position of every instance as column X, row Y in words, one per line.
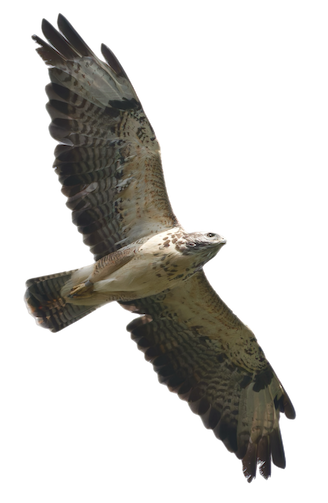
column 203, row 352
column 109, row 160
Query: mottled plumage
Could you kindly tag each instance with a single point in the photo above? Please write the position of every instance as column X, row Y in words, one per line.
column 108, row 162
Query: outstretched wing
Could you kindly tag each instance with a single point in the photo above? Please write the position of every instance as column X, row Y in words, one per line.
column 108, row 160
column 203, row 352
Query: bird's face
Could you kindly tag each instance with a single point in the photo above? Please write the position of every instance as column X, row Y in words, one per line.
column 203, row 246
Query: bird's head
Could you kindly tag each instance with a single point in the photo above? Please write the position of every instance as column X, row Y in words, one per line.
column 202, row 245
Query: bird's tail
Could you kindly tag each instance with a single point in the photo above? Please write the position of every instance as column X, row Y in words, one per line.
column 45, row 302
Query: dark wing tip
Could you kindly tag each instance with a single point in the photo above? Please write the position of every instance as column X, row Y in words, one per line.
column 73, row 37
column 288, row 407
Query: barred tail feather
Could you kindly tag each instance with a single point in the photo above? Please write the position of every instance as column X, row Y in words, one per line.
column 46, row 304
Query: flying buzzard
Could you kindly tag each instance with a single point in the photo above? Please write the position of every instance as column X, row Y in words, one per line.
column 108, row 162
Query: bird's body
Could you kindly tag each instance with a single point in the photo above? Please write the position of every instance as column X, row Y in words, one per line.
column 108, row 162
column 141, row 269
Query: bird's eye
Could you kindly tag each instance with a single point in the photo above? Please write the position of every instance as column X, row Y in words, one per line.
column 210, row 235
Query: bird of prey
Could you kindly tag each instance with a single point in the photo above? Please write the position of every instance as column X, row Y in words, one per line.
column 108, row 163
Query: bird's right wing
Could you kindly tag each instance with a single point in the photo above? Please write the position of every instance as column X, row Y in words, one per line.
column 108, row 160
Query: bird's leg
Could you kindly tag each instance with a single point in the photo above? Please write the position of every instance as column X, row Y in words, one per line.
column 81, row 290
